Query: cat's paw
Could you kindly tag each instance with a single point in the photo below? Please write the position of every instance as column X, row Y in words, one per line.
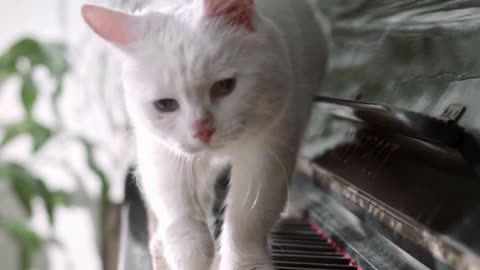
column 188, row 247
column 216, row 263
column 245, row 262
column 292, row 211
column 247, row 266
column 156, row 253
column 155, row 247
column 180, row 250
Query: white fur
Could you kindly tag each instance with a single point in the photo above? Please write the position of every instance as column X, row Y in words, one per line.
column 259, row 127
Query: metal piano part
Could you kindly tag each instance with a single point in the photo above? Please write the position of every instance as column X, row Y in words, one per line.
column 411, row 177
column 368, row 247
column 441, row 131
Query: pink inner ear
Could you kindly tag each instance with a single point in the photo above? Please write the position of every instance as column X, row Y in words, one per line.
column 237, row 12
column 114, row 26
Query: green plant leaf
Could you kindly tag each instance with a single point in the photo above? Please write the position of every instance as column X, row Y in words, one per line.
column 25, row 192
column 62, row 198
column 55, row 98
column 24, row 48
column 51, row 199
column 5, row 73
column 28, row 242
column 105, row 187
column 29, row 93
column 39, row 133
column 25, row 259
column 48, row 199
column 13, row 131
column 27, row 186
column 22, row 182
column 57, row 63
column 92, row 164
column 50, row 55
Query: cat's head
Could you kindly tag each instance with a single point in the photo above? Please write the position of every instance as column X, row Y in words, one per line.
column 200, row 76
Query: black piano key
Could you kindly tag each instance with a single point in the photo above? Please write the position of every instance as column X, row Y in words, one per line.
column 313, row 266
column 293, row 227
column 302, row 268
column 291, row 221
column 315, row 248
column 301, row 242
column 294, row 258
column 300, row 233
column 314, row 238
column 320, row 249
column 308, row 253
column 297, row 235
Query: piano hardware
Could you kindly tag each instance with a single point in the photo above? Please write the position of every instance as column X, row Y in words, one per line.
column 409, row 176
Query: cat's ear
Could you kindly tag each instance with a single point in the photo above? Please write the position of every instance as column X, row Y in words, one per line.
column 119, row 28
column 236, row 12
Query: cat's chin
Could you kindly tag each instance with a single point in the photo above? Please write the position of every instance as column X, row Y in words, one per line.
column 193, row 150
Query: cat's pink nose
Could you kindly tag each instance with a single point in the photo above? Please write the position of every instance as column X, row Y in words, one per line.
column 203, row 130
column 204, row 135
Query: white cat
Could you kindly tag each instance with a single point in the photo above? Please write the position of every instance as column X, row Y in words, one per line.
column 209, row 83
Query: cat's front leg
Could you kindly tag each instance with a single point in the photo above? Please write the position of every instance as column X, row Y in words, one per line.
column 259, row 185
column 171, row 186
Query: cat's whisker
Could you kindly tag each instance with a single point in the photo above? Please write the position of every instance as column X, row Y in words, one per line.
column 282, row 143
column 189, row 164
column 249, row 189
column 254, row 204
column 282, row 166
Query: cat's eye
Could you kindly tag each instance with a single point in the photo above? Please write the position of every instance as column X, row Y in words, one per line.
column 166, row 105
column 223, row 88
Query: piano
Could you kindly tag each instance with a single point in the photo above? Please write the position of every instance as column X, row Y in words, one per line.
column 389, row 175
column 399, row 190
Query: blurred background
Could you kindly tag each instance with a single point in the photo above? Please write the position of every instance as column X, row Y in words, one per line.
column 64, row 151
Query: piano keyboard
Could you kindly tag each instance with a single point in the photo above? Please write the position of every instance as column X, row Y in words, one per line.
column 298, row 245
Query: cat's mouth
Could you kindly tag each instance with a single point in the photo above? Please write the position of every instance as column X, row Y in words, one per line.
column 203, row 148
column 216, row 146
column 199, row 148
